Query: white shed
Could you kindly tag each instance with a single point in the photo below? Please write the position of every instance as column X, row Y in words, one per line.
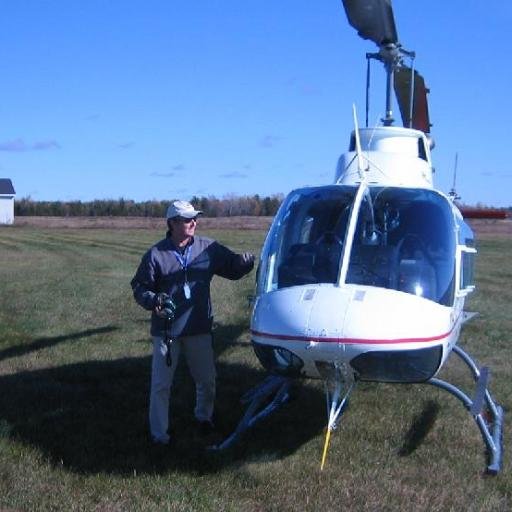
column 6, row 201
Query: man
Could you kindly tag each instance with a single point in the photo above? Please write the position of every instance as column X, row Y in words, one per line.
column 173, row 281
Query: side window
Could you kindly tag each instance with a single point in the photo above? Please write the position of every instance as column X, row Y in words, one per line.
column 467, row 269
column 422, row 152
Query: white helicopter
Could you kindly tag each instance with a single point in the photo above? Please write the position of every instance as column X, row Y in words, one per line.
column 365, row 279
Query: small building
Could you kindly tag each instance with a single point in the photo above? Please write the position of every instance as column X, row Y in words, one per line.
column 6, row 201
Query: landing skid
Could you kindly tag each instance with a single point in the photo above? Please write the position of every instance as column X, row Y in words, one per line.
column 274, row 392
column 257, row 397
column 486, row 413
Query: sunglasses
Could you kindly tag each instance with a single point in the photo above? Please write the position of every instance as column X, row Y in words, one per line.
column 183, row 220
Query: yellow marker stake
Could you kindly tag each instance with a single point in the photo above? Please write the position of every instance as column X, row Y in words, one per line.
column 326, row 445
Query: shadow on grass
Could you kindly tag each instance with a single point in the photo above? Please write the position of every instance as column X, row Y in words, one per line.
column 46, row 342
column 90, row 417
column 421, row 426
column 225, row 336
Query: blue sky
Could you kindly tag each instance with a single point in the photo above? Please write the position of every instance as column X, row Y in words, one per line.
column 159, row 99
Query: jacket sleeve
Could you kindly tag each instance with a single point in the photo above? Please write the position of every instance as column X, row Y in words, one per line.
column 143, row 283
column 228, row 264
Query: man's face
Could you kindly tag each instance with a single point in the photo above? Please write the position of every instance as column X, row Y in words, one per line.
column 183, row 228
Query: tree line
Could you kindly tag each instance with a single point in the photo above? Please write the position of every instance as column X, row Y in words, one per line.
column 211, row 206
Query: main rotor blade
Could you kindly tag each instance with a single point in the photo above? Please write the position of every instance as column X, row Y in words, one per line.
column 373, row 19
column 420, row 118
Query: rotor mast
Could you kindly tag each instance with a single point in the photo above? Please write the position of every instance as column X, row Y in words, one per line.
column 389, row 55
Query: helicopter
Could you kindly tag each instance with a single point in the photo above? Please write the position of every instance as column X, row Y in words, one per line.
column 365, row 279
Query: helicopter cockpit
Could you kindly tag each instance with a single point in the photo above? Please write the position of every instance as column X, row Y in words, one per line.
column 391, row 237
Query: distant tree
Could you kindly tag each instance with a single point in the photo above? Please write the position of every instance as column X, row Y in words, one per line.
column 211, row 206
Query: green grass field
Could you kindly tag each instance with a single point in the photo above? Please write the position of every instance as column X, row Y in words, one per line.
column 74, row 376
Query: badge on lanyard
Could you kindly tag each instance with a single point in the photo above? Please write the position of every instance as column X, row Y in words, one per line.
column 183, row 260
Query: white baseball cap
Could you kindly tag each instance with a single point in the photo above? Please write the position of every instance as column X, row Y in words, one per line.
column 182, row 209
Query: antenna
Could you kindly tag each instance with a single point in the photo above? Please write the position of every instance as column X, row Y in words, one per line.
column 359, row 151
column 453, row 192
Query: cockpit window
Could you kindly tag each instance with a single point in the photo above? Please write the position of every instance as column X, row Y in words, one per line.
column 405, row 241
column 305, row 243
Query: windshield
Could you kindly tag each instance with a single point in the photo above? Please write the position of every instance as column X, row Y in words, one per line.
column 304, row 245
column 404, row 240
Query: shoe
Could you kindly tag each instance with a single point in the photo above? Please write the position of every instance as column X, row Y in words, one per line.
column 205, row 428
column 159, row 444
column 207, row 434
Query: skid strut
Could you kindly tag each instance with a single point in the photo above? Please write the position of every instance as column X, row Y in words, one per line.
column 486, row 413
column 273, row 386
column 338, row 387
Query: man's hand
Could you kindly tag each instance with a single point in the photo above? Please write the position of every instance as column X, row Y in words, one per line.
column 165, row 307
column 247, row 259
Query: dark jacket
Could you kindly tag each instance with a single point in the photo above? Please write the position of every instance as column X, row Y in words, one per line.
column 160, row 271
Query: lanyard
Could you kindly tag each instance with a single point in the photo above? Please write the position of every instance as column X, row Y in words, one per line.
column 183, row 258
column 183, row 261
